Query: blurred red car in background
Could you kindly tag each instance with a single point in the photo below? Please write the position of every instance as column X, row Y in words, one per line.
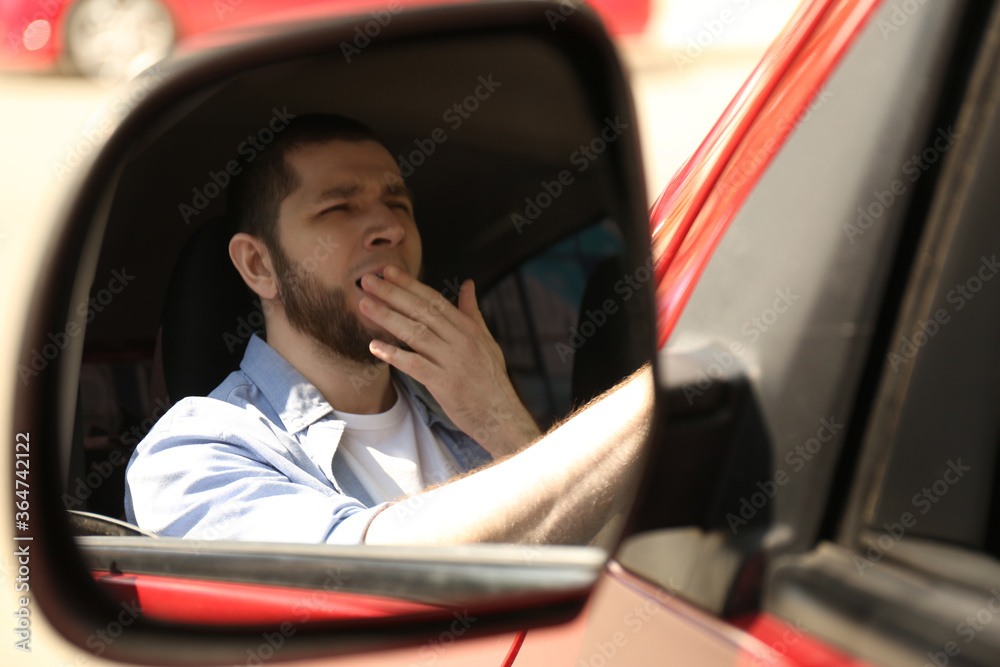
column 110, row 40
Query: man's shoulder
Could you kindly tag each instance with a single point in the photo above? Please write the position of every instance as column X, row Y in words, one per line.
column 235, row 408
column 230, row 398
column 237, row 389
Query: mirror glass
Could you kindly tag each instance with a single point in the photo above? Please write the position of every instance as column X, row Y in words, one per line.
column 522, row 178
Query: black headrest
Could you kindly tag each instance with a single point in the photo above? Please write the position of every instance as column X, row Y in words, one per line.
column 208, row 316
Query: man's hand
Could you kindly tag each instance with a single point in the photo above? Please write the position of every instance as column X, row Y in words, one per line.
column 453, row 354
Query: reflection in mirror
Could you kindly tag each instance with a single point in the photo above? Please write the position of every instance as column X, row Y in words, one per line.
column 516, row 179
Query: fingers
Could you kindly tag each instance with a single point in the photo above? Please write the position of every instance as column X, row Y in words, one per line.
column 414, row 365
column 415, row 301
column 468, row 304
column 414, row 333
column 395, row 275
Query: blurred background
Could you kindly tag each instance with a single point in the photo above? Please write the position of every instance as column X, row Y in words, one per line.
column 60, row 60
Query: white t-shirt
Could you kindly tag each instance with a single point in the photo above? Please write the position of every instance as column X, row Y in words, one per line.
column 394, row 453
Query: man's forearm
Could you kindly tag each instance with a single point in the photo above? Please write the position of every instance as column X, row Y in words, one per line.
column 562, row 489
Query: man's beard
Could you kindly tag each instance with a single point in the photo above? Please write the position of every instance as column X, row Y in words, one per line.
column 321, row 313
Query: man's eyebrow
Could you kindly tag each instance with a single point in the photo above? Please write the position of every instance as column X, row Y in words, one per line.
column 399, row 188
column 349, row 190
column 339, row 192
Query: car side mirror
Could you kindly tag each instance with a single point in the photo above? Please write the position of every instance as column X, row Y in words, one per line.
column 513, row 123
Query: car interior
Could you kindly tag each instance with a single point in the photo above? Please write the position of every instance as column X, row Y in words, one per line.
column 483, row 151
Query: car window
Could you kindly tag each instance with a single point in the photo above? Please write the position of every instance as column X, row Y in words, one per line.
column 775, row 340
column 916, row 550
column 931, row 461
column 535, row 315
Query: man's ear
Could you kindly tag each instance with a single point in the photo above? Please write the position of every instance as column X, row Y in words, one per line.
column 252, row 260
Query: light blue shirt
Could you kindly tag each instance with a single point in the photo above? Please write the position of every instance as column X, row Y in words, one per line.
column 257, row 460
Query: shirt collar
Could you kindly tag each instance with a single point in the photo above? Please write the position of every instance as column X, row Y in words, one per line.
column 296, row 400
column 428, row 408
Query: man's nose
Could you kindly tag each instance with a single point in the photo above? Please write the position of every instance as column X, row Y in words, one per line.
column 384, row 228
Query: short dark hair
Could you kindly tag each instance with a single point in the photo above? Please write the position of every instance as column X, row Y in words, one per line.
column 267, row 180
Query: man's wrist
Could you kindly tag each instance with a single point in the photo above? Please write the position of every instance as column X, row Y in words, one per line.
column 512, row 437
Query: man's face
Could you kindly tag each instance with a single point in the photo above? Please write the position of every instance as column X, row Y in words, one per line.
column 350, row 215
